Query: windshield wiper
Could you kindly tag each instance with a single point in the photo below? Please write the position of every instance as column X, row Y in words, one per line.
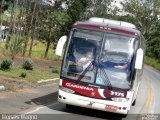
column 85, row 71
column 107, row 82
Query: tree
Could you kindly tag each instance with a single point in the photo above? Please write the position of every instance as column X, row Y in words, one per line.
column 15, row 46
column 14, row 39
column 30, row 19
column 76, row 9
column 100, row 8
column 36, row 13
column 12, row 22
column 47, row 24
column 4, row 5
column 146, row 15
column 56, row 21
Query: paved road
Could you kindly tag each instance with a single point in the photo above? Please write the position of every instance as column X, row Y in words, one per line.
column 14, row 102
column 148, row 102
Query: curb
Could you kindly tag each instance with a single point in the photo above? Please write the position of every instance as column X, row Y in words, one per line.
column 2, row 87
column 48, row 80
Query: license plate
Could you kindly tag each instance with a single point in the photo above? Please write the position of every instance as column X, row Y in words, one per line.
column 111, row 107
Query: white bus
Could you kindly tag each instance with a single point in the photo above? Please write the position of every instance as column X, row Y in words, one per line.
column 102, row 65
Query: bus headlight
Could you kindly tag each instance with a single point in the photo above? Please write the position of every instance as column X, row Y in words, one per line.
column 120, row 99
column 67, row 90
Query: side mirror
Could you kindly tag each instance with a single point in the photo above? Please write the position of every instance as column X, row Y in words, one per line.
column 139, row 59
column 60, row 45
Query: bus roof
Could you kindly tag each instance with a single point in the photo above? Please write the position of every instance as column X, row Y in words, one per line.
column 108, row 25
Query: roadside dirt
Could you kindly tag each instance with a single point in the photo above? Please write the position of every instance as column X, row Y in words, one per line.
column 12, row 84
column 38, row 62
column 21, row 94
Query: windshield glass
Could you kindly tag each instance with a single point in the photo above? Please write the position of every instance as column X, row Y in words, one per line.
column 117, row 60
column 100, row 58
column 83, row 49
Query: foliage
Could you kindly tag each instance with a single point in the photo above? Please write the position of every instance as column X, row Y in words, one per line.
column 152, row 62
column 43, row 21
column 62, row 20
column 4, row 4
column 55, row 70
column 101, row 8
column 6, row 64
column 15, row 45
column 146, row 17
column 27, row 65
column 47, row 22
column 55, row 21
column 23, row 74
column 32, row 76
column 49, row 19
column 47, row 26
column 6, row 15
column 75, row 11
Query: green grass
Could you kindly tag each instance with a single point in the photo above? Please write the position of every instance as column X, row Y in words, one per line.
column 40, row 54
column 31, row 75
column 2, row 44
column 38, row 73
column 38, row 51
column 152, row 62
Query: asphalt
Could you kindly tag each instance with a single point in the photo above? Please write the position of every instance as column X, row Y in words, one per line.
column 42, row 102
column 14, row 102
column 147, row 105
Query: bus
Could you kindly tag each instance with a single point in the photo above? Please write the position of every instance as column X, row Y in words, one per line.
column 102, row 65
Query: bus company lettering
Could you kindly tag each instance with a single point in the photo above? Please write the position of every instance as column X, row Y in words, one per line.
column 79, row 86
column 117, row 94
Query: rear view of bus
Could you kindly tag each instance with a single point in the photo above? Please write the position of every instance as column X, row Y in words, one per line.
column 102, row 65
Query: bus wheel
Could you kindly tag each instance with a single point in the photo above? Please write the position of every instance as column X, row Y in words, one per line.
column 124, row 115
column 134, row 103
column 69, row 106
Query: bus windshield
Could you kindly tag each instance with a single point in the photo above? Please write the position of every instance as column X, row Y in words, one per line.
column 100, row 58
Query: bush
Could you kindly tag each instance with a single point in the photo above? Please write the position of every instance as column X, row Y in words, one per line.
column 6, row 64
column 55, row 70
column 152, row 62
column 23, row 75
column 28, row 65
column 15, row 45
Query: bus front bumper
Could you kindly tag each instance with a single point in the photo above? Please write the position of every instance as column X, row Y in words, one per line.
column 98, row 104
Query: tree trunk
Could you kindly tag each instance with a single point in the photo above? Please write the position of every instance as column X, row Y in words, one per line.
column 1, row 4
column 49, row 40
column 30, row 28
column 47, row 48
column 18, row 31
column 11, row 26
column 33, row 33
column 25, row 29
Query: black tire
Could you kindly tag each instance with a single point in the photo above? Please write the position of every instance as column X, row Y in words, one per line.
column 69, row 106
column 124, row 115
